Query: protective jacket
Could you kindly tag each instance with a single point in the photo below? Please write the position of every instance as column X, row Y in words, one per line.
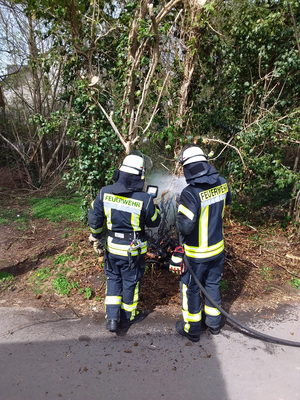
column 201, row 211
column 127, row 213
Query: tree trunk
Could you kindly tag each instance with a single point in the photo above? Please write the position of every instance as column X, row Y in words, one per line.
column 192, row 36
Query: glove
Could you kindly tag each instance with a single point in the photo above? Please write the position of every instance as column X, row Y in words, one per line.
column 96, row 245
column 177, row 265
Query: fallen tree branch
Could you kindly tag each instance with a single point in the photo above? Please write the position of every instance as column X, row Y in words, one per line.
column 46, row 321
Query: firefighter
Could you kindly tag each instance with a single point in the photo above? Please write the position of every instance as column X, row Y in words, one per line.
column 200, row 222
column 123, row 210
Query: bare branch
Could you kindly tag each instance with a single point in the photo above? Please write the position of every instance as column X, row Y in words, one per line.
column 295, row 29
column 157, row 103
column 46, row 169
column 110, row 120
column 226, row 145
column 13, row 146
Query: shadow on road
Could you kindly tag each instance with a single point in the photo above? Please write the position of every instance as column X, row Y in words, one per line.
column 78, row 359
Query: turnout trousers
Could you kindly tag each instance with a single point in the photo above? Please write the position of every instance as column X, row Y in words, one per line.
column 209, row 274
column 122, row 287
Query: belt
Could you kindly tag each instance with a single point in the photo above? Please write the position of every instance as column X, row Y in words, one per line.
column 126, row 235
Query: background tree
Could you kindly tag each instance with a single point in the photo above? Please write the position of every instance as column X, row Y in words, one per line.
column 33, row 118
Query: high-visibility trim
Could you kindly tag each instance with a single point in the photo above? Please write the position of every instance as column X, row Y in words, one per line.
column 203, row 228
column 211, row 311
column 113, row 300
column 188, row 317
column 204, row 252
column 136, row 292
column 187, row 327
column 108, row 217
column 155, row 214
column 185, row 308
column 132, row 307
column 99, row 230
column 188, row 213
column 122, row 203
column 213, row 195
column 122, row 249
column 184, row 298
column 135, row 222
column 92, row 204
column 129, row 307
column 224, row 205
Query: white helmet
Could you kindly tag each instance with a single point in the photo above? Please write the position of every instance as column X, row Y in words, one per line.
column 133, row 164
column 192, row 154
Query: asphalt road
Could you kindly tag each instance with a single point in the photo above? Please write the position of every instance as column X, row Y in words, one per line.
column 47, row 354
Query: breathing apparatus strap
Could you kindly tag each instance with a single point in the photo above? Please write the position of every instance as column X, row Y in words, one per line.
column 130, row 236
column 135, row 245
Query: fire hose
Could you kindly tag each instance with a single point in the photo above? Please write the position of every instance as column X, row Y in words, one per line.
column 255, row 334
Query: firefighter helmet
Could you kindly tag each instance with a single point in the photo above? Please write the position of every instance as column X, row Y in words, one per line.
column 191, row 153
column 133, row 164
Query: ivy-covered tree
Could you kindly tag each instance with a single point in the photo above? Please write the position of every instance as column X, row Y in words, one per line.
column 247, row 96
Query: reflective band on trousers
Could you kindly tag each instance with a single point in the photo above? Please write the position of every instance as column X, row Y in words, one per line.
column 188, row 317
column 184, row 298
column 211, row 311
column 132, row 307
column 113, row 300
column 129, row 307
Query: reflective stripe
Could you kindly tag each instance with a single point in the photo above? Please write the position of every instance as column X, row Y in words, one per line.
column 135, row 299
column 132, row 307
column 155, row 214
column 92, row 205
column 184, row 298
column 224, row 205
column 188, row 213
column 211, row 311
column 113, row 300
column 108, row 217
column 129, row 307
column 135, row 222
column 203, row 228
column 204, row 252
column 97, row 230
column 122, row 203
column 187, row 327
column 214, row 200
column 122, row 249
column 188, row 317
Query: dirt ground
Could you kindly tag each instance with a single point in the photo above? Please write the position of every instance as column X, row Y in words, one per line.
column 261, row 271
